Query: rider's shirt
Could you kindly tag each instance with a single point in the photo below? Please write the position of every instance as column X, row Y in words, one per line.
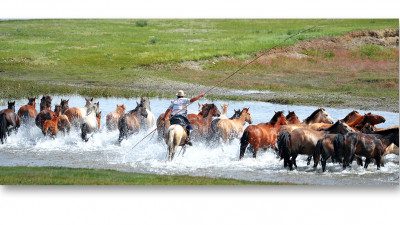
column 179, row 104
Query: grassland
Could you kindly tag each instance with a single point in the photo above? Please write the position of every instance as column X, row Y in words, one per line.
column 125, row 57
column 72, row 176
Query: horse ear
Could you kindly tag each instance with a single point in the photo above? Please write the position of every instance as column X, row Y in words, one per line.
column 91, row 99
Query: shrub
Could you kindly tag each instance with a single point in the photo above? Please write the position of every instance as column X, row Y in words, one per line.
column 141, row 23
column 369, row 50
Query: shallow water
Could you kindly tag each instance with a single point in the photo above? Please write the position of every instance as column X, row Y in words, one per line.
column 30, row 148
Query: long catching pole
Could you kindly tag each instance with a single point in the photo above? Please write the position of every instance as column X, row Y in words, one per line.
column 242, row 67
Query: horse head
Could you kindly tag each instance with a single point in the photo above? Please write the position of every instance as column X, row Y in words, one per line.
column 319, row 116
column 247, row 116
column 142, row 109
column 352, row 116
column 279, row 118
column 64, row 105
column 32, row 101
column 88, row 102
column 292, row 118
column 215, row 111
column 11, row 105
column 145, row 102
column 236, row 114
column 373, row 119
column 57, row 108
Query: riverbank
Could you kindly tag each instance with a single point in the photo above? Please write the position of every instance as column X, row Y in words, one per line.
column 79, row 176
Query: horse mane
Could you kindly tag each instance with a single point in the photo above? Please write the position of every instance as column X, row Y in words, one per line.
column 357, row 121
column 308, row 119
column 136, row 109
column 275, row 117
column 350, row 114
column 237, row 114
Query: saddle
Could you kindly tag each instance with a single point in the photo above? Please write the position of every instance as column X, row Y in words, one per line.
column 180, row 120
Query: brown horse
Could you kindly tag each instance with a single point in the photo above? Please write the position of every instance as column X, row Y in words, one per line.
column 318, row 116
column 64, row 106
column 205, row 109
column 228, row 129
column 351, row 117
column 130, row 122
column 303, row 141
column 367, row 145
column 45, row 111
column 63, row 123
column 113, row 118
column 262, row 135
column 50, row 127
column 292, row 118
column 75, row 114
column 202, row 127
column 29, row 110
column 9, row 121
column 98, row 118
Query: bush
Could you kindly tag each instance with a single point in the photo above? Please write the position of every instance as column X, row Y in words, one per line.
column 370, row 50
column 141, row 23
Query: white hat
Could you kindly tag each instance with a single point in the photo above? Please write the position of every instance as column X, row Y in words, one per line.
column 180, row 93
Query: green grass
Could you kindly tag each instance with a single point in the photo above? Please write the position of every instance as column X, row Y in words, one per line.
column 77, row 176
column 110, row 57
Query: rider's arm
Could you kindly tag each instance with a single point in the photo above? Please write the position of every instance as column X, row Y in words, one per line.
column 197, row 97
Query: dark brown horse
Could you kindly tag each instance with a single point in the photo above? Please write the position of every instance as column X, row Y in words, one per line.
column 303, row 141
column 9, row 121
column 263, row 135
column 202, row 127
column 365, row 145
column 64, row 106
column 325, row 149
column 130, row 122
column 45, row 111
column 29, row 110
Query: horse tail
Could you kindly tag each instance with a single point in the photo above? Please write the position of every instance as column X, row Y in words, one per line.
column 244, row 141
column 3, row 127
column 84, row 129
column 123, row 129
column 213, row 134
column 26, row 116
column 338, row 144
column 47, row 116
column 318, row 149
column 284, row 145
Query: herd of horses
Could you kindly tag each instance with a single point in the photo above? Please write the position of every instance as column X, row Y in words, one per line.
column 317, row 136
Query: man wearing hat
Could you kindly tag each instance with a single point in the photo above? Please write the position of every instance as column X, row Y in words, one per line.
column 180, row 116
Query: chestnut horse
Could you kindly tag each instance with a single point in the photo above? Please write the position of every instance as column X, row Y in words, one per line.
column 50, row 127
column 262, row 135
column 9, row 120
column 303, row 141
column 203, row 112
column 29, row 110
column 130, row 122
column 368, row 145
column 202, row 127
column 224, row 108
column 228, row 129
column 292, row 118
column 63, row 123
column 113, row 118
column 357, row 124
column 75, row 114
column 318, row 116
column 45, row 111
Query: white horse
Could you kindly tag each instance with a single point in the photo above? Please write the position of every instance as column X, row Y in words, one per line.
column 175, row 137
column 148, row 122
column 89, row 123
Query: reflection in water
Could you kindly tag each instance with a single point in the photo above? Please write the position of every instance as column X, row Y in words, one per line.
column 30, row 148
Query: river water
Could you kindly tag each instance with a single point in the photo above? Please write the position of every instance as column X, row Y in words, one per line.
column 29, row 147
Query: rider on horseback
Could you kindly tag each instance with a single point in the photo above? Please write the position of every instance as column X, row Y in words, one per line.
column 180, row 116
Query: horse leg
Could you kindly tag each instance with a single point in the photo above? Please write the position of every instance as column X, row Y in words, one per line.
column 367, row 161
column 359, row 161
column 323, row 163
column 378, row 161
column 309, row 160
column 255, row 151
column 294, row 160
